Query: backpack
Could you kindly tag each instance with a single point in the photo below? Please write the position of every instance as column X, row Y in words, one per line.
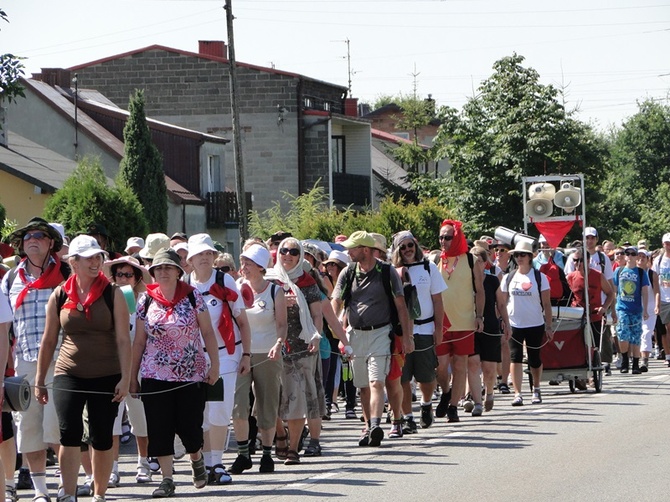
column 601, row 257
column 220, row 280
column 558, row 282
column 538, row 280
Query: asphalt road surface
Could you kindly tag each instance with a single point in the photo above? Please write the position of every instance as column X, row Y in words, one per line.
column 573, row 447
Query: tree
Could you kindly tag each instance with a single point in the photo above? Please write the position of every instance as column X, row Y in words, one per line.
column 141, row 168
column 86, row 198
column 11, row 70
column 513, row 127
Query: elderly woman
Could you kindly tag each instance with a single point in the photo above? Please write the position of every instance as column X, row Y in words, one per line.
column 93, row 364
column 127, row 271
column 230, row 325
column 172, row 322
column 267, row 322
column 302, row 394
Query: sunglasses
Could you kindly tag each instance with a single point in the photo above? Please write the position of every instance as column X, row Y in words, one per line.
column 291, row 251
column 579, row 260
column 409, row 245
column 501, row 250
column 224, row 269
column 446, row 237
column 35, row 235
column 619, row 253
column 127, row 275
column 527, row 255
column 630, row 253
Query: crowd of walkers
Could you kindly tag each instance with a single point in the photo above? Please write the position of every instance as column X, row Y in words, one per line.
column 175, row 338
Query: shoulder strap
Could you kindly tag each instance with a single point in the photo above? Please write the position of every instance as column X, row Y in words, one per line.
column 538, row 279
column 11, row 275
column 60, row 299
column 386, row 281
column 220, row 278
column 349, row 274
column 147, row 302
column 471, row 262
column 601, row 256
column 273, row 291
column 191, row 298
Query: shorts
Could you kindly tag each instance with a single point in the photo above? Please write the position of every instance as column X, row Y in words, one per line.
column 488, row 346
column 372, row 355
column 38, row 425
column 664, row 313
column 456, row 343
column 629, row 327
column 397, row 359
column 7, row 425
column 265, row 375
column 219, row 413
column 421, row 363
column 534, row 337
column 138, row 420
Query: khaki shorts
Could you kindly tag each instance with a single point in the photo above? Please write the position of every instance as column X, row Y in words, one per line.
column 266, row 376
column 372, row 355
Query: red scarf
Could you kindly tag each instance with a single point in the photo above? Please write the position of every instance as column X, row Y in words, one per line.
column 305, row 280
column 74, row 303
column 49, row 279
column 226, row 321
column 459, row 245
column 181, row 292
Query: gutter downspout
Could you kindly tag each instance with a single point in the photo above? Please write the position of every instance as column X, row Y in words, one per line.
column 301, row 139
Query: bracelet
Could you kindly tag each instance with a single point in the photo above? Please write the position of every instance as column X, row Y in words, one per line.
column 246, row 354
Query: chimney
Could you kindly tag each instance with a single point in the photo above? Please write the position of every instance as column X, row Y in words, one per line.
column 213, row 48
column 55, row 76
column 351, row 107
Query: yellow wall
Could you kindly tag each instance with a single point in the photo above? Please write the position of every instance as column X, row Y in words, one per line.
column 19, row 199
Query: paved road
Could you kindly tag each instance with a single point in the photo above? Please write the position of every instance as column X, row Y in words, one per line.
column 573, row 447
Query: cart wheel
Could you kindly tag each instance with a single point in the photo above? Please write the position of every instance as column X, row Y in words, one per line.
column 571, row 383
column 597, row 373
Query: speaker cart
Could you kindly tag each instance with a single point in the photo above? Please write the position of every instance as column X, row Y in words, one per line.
column 553, row 204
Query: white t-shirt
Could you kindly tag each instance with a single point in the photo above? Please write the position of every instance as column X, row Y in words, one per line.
column 427, row 283
column 262, row 323
column 663, row 272
column 215, row 306
column 594, row 263
column 524, row 307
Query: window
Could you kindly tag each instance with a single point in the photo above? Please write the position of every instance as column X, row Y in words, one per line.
column 338, row 155
column 214, row 173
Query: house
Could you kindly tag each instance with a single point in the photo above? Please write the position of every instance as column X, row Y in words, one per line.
column 296, row 131
column 84, row 123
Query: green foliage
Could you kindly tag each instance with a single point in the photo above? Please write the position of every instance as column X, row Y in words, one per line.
column 383, row 100
column 11, row 70
column 141, row 168
column 514, row 127
column 309, row 217
column 8, row 226
column 86, row 198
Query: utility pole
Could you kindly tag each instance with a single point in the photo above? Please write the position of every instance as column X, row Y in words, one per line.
column 237, row 137
column 349, row 64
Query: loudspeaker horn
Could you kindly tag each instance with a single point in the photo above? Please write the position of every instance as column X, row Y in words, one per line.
column 541, row 191
column 539, row 208
column 567, row 198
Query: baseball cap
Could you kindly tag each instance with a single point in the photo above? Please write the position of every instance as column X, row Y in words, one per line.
column 591, row 231
column 360, row 238
column 85, row 246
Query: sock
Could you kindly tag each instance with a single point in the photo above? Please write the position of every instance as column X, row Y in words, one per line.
column 636, row 363
column 397, row 422
column 314, row 442
column 375, row 422
column 536, row 388
column 425, row 404
column 243, row 448
column 115, row 466
column 624, row 359
column 645, row 361
column 216, row 457
column 409, row 416
column 489, row 397
column 9, row 483
column 267, row 450
column 40, row 482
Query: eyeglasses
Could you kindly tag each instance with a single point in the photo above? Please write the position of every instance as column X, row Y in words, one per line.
column 500, row 250
column 619, row 253
column 127, row 275
column 527, row 255
column 224, row 269
column 579, row 260
column 291, row 251
column 446, row 237
column 630, row 253
column 35, row 235
column 409, row 245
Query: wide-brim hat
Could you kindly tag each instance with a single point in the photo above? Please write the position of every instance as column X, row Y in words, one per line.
column 37, row 223
column 259, row 255
column 166, row 257
column 134, row 242
column 380, row 242
column 199, row 243
column 126, row 260
column 339, row 258
column 523, row 247
column 154, row 243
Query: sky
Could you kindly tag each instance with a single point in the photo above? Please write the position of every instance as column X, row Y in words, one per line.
column 605, row 54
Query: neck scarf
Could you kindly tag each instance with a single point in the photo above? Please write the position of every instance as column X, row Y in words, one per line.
column 181, row 292
column 49, row 279
column 226, row 321
column 74, row 302
column 286, row 277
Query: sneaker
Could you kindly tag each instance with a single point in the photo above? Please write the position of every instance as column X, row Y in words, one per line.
column 85, row 490
column 441, row 408
column 644, row 368
column 219, row 476
column 452, row 414
column 199, row 472
column 153, row 464
column 667, row 363
column 608, row 370
column 409, row 426
column 10, row 494
column 635, row 371
column 503, row 388
column 488, row 403
column 477, row 410
column 350, row 415
column 537, row 397
column 364, row 440
column 376, row 436
column 396, row 430
column 624, row 370
column 617, row 363
column 517, row 401
column 164, row 490
column 267, row 464
column 426, row 416
column 51, row 457
column 66, row 498
column 468, row 405
column 114, row 480
column 24, row 481
column 241, row 464
column 98, row 498
column 143, row 472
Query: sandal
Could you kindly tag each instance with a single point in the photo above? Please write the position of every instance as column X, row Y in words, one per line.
column 281, row 452
column 312, row 450
column 292, row 458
